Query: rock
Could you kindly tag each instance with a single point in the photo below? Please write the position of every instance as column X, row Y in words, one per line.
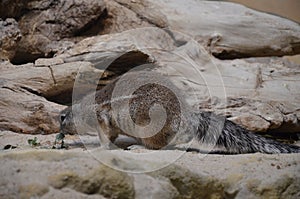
column 48, row 62
column 266, row 94
column 121, row 18
column 11, row 8
column 189, row 185
column 27, row 92
column 103, row 181
column 228, row 31
column 80, row 19
column 238, row 176
column 23, row 107
column 62, row 19
column 154, row 186
column 86, row 18
column 17, row 8
column 32, row 190
column 138, row 14
column 46, row 23
column 24, row 112
column 69, row 193
column 232, row 88
column 10, row 35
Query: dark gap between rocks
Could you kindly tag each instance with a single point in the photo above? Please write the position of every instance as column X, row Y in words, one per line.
column 31, row 91
column 22, row 57
column 96, row 27
column 224, row 55
column 128, row 61
column 63, row 98
column 120, row 66
column 285, row 134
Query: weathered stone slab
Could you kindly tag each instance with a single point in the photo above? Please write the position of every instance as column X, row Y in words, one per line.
column 228, row 30
column 78, row 173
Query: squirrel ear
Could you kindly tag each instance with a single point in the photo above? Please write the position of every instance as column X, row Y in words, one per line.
column 105, row 119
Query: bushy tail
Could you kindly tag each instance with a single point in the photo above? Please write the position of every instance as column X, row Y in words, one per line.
column 213, row 129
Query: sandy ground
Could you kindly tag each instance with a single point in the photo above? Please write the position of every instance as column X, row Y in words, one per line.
column 285, row 8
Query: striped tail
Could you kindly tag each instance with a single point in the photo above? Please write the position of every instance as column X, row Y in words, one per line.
column 214, row 129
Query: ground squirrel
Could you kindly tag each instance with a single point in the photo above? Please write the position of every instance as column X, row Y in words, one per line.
column 206, row 127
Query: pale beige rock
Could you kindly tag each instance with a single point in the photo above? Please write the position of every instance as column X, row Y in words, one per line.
column 48, row 62
column 68, row 193
column 25, row 90
column 230, row 30
column 24, row 112
column 59, row 173
column 226, row 29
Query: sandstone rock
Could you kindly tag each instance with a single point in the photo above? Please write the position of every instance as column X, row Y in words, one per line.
column 24, row 107
column 103, row 181
column 263, row 90
column 277, row 36
column 227, row 29
column 32, row 190
column 59, row 172
column 69, row 193
column 50, row 27
column 24, row 112
column 10, row 35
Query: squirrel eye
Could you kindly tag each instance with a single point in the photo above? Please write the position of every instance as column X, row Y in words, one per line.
column 62, row 117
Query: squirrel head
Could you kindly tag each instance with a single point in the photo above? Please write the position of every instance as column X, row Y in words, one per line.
column 66, row 121
column 80, row 119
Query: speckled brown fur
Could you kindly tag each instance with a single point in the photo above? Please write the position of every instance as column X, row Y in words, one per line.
column 205, row 127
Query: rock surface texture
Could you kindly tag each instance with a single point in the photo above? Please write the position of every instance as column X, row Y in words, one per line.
column 9, row 37
column 224, row 57
column 54, row 174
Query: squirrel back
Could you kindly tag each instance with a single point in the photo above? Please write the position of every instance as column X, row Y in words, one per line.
column 154, row 114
